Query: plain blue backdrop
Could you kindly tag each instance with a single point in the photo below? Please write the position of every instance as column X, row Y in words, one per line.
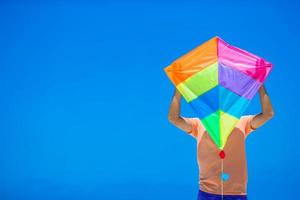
column 84, row 98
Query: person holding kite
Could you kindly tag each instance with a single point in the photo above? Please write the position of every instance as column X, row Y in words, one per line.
column 219, row 80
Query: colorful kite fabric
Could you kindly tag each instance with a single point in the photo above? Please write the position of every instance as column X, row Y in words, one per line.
column 218, row 80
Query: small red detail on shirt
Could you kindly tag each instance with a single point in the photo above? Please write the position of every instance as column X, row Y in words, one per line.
column 222, row 154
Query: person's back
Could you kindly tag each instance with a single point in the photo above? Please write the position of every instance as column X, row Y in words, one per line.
column 222, row 173
column 233, row 181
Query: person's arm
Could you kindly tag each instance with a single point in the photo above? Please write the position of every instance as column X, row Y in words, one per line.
column 267, row 110
column 174, row 114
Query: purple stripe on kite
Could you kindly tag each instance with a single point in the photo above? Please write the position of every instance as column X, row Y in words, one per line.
column 238, row 82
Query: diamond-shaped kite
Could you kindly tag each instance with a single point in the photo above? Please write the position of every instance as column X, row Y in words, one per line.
column 218, row 80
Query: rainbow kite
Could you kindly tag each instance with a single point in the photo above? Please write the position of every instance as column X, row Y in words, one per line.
column 218, row 80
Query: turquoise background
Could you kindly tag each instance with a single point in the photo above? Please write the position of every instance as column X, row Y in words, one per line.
column 84, row 98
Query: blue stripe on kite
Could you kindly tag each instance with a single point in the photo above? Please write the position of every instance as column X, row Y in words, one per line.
column 232, row 103
column 207, row 103
column 219, row 98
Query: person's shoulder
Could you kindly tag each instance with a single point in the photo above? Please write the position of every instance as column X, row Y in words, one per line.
column 192, row 119
column 244, row 120
column 245, row 123
column 246, row 117
column 197, row 127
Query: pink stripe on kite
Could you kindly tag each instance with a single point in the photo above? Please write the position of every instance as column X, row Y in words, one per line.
column 243, row 61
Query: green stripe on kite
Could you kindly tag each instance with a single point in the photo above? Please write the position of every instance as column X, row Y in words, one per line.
column 206, row 78
column 227, row 124
column 219, row 126
column 212, row 126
